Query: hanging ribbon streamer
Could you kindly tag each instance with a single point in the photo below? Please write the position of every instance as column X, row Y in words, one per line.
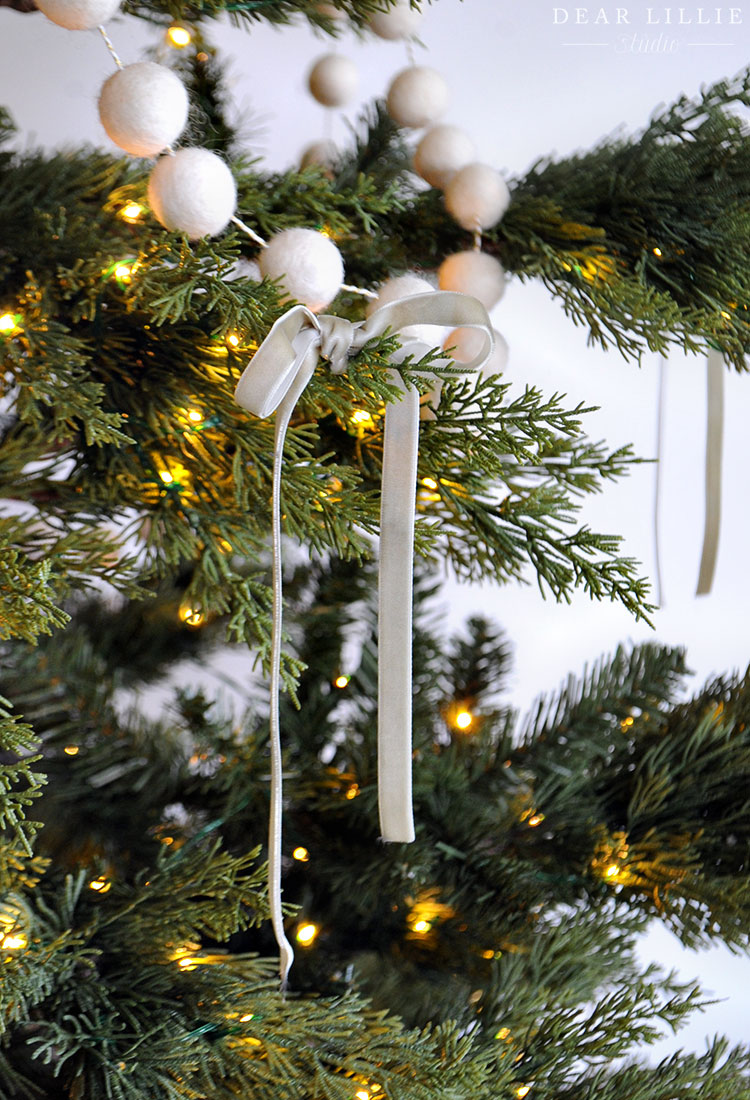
column 273, row 381
column 714, row 446
column 660, row 409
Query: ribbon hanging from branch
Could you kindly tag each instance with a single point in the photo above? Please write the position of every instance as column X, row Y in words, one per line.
column 715, row 365
column 272, row 382
column 714, row 446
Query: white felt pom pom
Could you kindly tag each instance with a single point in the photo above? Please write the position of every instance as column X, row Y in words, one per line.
column 78, row 15
column 143, row 108
column 440, row 154
column 192, row 191
column 308, row 265
column 473, row 273
column 402, row 286
column 417, row 97
column 243, row 269
column 323, row 153
column 467, row 343
column 477, row 196
column 400, row 21
column 333, row 80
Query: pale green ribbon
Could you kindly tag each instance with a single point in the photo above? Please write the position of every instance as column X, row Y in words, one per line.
column 273, row 382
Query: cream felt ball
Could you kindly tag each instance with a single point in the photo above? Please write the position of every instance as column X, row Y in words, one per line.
column 78, row 15
column 192, row 191
column 400, row 21
column 333, row 80
column 403, row 286
column 244, row 269
column 477, row 196
column 473, row 273
column 440, row 154
column 417, row 97
column 323, row 153
column 308, row 265
column 143, row 108
column 465, row 344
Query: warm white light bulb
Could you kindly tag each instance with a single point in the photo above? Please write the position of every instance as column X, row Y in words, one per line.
column 307, row 933
column 179, row 37
column 131, row 212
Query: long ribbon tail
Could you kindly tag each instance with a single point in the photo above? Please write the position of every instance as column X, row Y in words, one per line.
column 660, row 412
column 283, row 416
column 286, row 953
column 400, row 443
column 714, row 445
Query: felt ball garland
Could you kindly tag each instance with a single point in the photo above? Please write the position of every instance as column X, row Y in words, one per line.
column 79, row 15
column 307, row 264
column 403, row 286
column 464, row 346
column 417, row 97
column 192, row 191
column 333, row 80
column 143, row 108
column 473, row 273
column 477, row 196
column 323, row 153
column 400, row 21
column 440, row 154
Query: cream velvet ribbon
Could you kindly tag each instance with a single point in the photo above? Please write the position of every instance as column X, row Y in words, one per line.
column 714, row 447
column 273, row 382
column 715, row 366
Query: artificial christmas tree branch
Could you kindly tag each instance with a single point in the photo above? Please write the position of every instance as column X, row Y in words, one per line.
column 505, row 915
column 133, row 938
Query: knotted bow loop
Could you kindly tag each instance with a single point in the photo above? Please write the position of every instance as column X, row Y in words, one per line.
column 292, row 341
column 273, row 380
column 299, row 337
column 336, row 341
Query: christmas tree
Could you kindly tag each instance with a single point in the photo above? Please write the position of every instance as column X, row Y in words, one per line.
column 495, row 953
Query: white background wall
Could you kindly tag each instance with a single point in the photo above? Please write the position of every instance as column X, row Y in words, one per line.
column 523, row 86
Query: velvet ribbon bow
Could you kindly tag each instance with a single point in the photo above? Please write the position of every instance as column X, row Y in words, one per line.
column 272, row 382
